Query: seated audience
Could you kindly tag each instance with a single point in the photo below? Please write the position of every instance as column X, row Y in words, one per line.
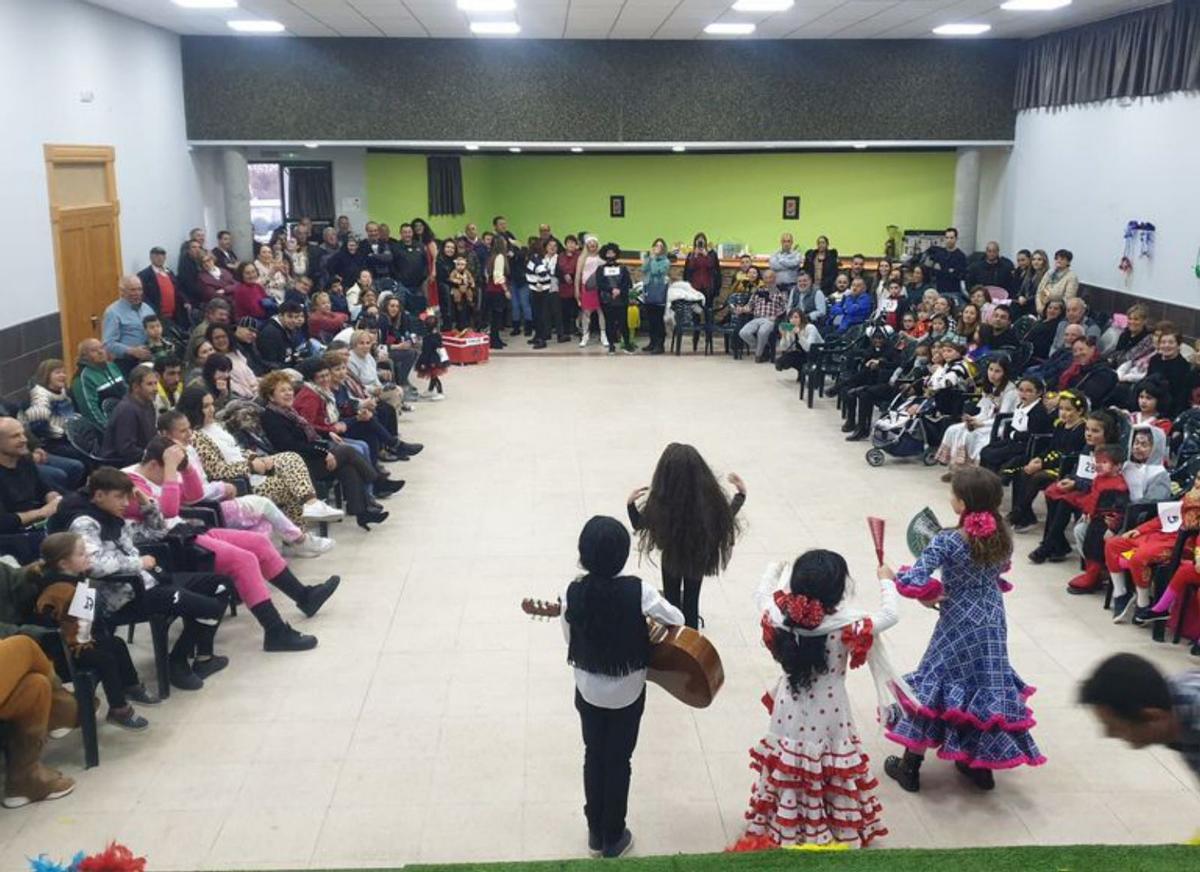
column 131, row 426
column 1029, row 419
column 765, row 307
column 1029, row 478
column 1087, row 373
column 50, row 409
column 123, row 328
column 250, row 298
column 98, row 380
column 281, row 342
column 214, row 280
column 243, row 380
column 1076, row 312
column 170, row 382
column 25, row 500
column 853, row 308
column 797, row 336
column 1042, row 335
column 991, row 270
column 323, row 322
column 1169, row 365
column 1059, row 283
column 963, row 442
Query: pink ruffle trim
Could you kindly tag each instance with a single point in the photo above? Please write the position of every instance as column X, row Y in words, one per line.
column 964, row 757
column 931, row 589
column 958, row 717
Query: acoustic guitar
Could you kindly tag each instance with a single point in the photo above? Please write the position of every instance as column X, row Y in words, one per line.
column 682, row 662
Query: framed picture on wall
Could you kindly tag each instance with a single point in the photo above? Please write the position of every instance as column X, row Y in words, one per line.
column 616, row 206
column 791, row 207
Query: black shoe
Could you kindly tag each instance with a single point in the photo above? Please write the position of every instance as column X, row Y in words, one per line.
column 182, row 677
column 564, row 339
column 658, row 349
column 497, row 344
column 387, row 487
column 849, row 427
column 857, row 436
column 391, row 457
column 528, row 330
column 315, row 596
column 981, row 778
column 210, row 666
column 1146, row 615
column 1120, row 606
column 1195, row 649
column 903, row 773
column 538, row 344
column 1039, row 554
column 1058, row 555
column 595, row 845
column 1025, row 525
column 143, row 695
column 761, row 359
column 516, row 331
column 374, row 516
column 620, row 847
column 411, row 449
column 284, row 638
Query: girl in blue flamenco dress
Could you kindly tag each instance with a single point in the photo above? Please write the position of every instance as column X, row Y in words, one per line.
column 967, row 702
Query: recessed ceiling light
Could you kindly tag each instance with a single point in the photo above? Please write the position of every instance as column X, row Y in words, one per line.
column 730, row 28
column 514, row 149
column 678, row 148
column 206, row 4
column 1033, row 5
column 576, row 149
column 487, row 5
column 495, row 28
column 472, row 148
column 312, row 145
column 763, row 5
column 961, row 29
column 255, row 26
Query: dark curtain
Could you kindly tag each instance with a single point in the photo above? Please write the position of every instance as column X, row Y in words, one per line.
column 1137, row 55
column 309, row 192
column 445, row 185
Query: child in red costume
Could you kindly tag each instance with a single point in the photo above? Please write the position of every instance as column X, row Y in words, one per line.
column 1139, row 550
column 1108, row 491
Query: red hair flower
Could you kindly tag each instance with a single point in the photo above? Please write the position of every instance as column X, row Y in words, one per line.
column 859, row 638
column 800, row 610
column 979, row 524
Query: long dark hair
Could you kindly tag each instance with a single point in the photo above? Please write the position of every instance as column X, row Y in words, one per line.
column 191, row 404
column 819, row 575
column 687, row 516
column 981, row 490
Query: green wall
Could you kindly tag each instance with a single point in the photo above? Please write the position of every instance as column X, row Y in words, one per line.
column 850, row 197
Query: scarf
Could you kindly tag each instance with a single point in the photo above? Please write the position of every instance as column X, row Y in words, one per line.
column 889, row 684
column 297, row 420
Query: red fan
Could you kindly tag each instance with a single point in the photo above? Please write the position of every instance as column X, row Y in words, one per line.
column 876, row 527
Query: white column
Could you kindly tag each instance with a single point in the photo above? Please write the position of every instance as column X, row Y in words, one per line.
column 966, row 198
column 236, row 178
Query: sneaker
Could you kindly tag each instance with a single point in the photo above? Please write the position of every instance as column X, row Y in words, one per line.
column 595, row 845
column 128, row 720
column 620, row 847
column 1146, row 615
column 319, row 510
column 57, row 785
column 284, row 638
column 584, row 341
column 209, row 665
column 142, row 695
column 629, row 350
column 301, row 548
column 1123, row 607
column 436, row 397
column 316, row 595
column 183, row 677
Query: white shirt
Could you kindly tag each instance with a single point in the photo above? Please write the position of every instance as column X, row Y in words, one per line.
column 617, row 692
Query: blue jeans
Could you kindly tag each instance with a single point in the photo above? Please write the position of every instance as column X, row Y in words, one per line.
column 62, row 474
column 522, row 308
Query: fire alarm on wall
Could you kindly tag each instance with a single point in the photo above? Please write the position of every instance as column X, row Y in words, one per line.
column 86, row 96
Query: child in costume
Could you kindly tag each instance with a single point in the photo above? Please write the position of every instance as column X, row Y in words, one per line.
column 613, row 284
column 1029, row 419
column 815, row 784
column 1033, row 476
column 967, row 700
column 688, row 518
column 1139, row 551
column 1102, row 507
column 64, row 565
column 462, row 293
column 432, row 362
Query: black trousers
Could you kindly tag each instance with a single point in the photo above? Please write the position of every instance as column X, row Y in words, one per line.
column 402, row 363
column 192, row 596
column 860, row 403
column 463, row 311
column 616, row 322
column 372, row 432
column 569, row 316
column 609, row 737
column 794, row 359
column 496, row 305
column 109, row 656
column 997, row 456
column 1059, row 515
column 354, row 472
column 684, row 594
column 539, row 303
column 654, row 324
column 1025, row 490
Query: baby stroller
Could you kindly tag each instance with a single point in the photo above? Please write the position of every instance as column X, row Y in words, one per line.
column 900, row 434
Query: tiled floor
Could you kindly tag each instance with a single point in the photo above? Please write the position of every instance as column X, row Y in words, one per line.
column 435, row 721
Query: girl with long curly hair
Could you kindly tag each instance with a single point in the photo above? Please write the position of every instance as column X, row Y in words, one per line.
column 687, row 517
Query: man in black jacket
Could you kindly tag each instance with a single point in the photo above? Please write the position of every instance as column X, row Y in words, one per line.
column 189, row 273
column 131, row 426
column 991, row 269
column 281, row 343
column 224, row 254
column 411, row 268
column 999, row 334
column 380, row 255
column 24, row 497
column 948, row 265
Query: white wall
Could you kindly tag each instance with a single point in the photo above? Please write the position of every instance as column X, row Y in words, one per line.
column 995, row 209
column 51, row 52
column 1077, row 175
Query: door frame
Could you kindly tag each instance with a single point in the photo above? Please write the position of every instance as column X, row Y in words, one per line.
column 56, row 155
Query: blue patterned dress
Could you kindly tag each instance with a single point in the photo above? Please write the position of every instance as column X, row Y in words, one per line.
column 970, row 703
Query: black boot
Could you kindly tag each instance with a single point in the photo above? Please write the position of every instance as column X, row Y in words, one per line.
column 308, row 598
column 387, row 487
column 516, row 329
column 371, row 516
column 981, row 778
column 858, row 435
column 905, row 770
column 277, row 635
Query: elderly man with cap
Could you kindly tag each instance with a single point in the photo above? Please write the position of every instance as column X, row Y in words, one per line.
column 123, row 329
column 161, row 288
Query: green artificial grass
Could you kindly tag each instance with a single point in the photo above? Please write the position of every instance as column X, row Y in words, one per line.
column 1067, row 858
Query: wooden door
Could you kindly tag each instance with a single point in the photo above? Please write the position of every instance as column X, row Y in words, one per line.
column 84, row 222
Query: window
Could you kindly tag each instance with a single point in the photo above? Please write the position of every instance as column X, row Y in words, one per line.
column 284, row 192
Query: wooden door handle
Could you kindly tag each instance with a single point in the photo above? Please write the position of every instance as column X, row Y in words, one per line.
column 95, row 320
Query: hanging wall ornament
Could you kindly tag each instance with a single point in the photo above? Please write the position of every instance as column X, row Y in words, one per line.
column 1130, row 251
column 1145, row 233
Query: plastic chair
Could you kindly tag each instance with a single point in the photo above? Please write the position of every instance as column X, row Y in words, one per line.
column 87, row 438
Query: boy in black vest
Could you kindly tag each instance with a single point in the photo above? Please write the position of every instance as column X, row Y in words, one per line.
column 604, row 622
